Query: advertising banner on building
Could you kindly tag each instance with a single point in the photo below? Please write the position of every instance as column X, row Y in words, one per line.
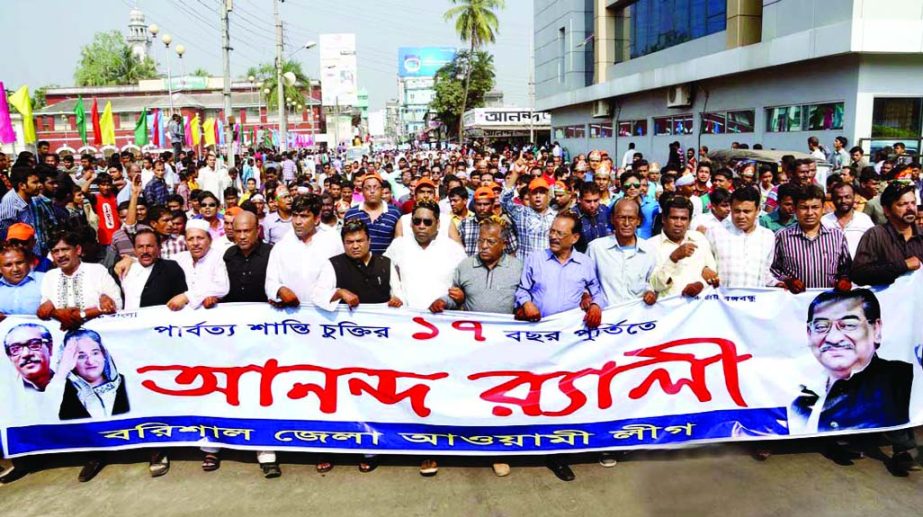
column 423, row 61
column 729, row 365
column 338, row 70
column 507, row 117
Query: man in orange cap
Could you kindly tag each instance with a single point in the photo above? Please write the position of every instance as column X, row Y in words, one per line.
column 424, row 190
column 534, row 221
column 469, row 229
column 23, row 235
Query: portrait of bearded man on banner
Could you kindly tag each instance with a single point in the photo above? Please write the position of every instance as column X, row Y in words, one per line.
column 860, row 390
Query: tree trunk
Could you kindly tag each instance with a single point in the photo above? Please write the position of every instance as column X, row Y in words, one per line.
column 461, row 117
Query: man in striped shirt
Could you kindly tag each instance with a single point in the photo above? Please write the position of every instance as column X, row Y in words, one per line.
column 380, row 218
column 532, row 221
column 809, row 254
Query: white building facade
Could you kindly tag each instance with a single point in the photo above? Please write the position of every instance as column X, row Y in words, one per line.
column 713, row 72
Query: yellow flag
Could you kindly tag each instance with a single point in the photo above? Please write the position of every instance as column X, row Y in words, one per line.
column 23, row 104
column 107, row 125
column 196, row 133
column 209, row 128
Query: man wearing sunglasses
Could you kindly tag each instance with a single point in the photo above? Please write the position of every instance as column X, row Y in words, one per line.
column 423, row 269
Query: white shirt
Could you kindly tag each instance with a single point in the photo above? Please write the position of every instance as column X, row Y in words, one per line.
column 204, row 278
column 304, row 268
column 854, row 229
column 697, row 209
column 709, row 221
column 743, row 259
column 133, row 284
column 670, row 278
column 419, row 276
column 444, row 221
column 146, row 176
column 81, row 289
column 213, row 181
column 628, row 157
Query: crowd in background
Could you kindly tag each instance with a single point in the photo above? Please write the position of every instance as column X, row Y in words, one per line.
column 527, row 231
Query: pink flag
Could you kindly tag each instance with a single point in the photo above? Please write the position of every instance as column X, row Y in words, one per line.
column 156, row 131
column 7, row 135
column 188, row 131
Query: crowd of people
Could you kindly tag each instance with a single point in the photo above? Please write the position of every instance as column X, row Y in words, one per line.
column 527, row 232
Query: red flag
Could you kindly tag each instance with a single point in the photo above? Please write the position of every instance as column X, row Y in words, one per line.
column 97, row 132
column 157, row 128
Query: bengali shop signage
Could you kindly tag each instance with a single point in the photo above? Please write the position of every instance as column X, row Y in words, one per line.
column 729, row 365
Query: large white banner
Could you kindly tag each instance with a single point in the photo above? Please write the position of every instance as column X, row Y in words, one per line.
column 729, row 365
column 339, row 70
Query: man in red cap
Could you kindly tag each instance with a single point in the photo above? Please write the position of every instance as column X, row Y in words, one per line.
column 533, row 221
column 23, row 235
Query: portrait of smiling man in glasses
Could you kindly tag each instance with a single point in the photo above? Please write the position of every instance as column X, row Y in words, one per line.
column 860, row 390
column 28, row 347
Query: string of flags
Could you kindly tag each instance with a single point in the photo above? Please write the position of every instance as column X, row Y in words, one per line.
column 150, row 127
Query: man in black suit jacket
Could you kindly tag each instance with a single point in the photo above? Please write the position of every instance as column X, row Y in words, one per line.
column 151, row 281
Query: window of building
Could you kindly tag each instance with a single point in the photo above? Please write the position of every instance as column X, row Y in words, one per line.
column 896, row 118
column 576, row 131
column 601, row 130
column 677, row 125
column 632, row 128
column 127, row 120
column 806, row 117
column 253, row 114
column 660, row 24
column 823, row 117
column 721, row 122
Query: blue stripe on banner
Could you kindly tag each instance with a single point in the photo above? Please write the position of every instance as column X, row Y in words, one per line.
column 387, row 437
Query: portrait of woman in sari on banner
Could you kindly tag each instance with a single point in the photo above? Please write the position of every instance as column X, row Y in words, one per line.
column 94, row 388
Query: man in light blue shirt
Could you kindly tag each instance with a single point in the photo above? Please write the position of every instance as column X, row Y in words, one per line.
column 623, row 261
column 20, row 287
column 554, row 280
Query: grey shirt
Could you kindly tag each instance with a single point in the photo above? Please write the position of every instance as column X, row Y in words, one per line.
column 487, row 290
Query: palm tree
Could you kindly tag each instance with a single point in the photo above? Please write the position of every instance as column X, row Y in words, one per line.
column 266, row 73
column 200, row 72
column 475, row 23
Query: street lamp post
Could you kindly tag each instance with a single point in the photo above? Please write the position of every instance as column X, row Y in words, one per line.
column 289, row 79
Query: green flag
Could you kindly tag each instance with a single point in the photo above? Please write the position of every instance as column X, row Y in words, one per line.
column 141, row 129
column 81, row 119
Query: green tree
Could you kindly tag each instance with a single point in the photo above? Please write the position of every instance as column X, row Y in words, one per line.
column 38, row 96
column 266, row 73
column 476, row 23
column 459, row 86
column 200, row 72
column 109, row 61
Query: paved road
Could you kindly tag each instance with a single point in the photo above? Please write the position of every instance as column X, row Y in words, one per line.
column 716, row 480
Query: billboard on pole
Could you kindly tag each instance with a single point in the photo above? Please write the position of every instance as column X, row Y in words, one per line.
column 338, row 69
column 423, row 61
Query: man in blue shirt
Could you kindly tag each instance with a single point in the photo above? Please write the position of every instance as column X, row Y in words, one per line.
column 555, row 280
column 594, row 216
column 20, row 287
